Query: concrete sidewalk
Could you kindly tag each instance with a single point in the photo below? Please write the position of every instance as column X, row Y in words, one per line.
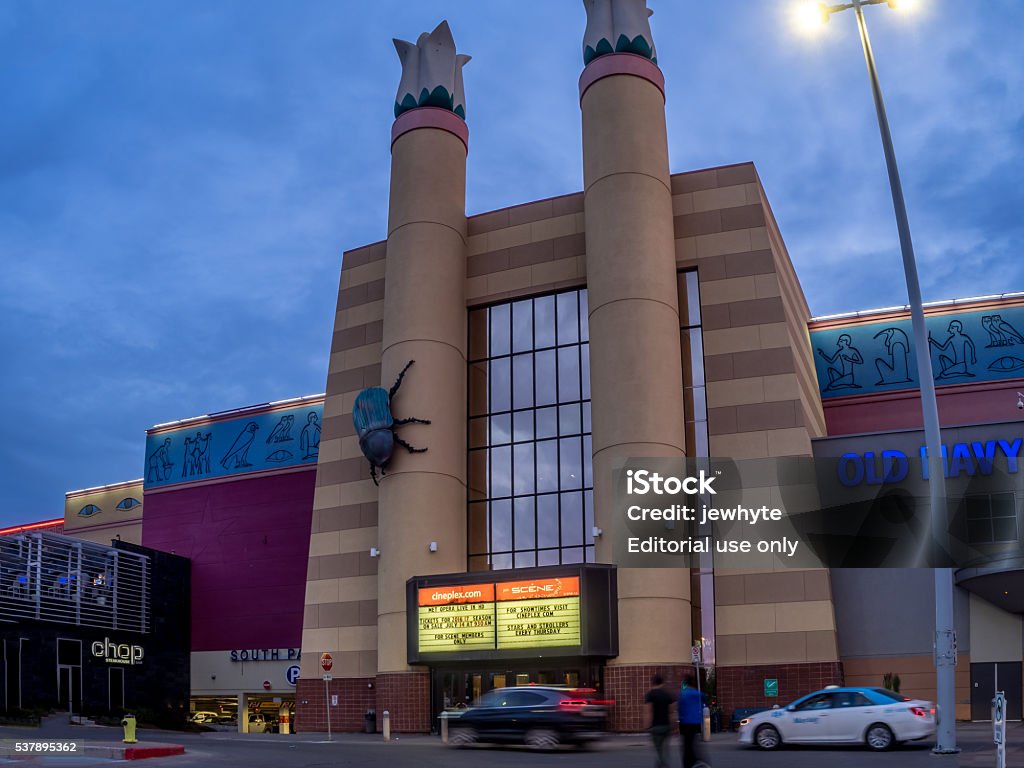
column 99, row 741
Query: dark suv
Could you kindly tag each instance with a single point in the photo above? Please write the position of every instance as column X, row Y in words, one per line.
column 539, row 716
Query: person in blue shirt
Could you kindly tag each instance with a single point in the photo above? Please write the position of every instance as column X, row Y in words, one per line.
column 690, row 708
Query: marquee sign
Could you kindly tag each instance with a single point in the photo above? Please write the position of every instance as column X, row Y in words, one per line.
column 456, row 618
column 538, row 614
column 514, row 617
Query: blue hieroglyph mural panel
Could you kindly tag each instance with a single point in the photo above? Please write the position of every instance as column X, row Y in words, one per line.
column 249, row 443
column 985, row 345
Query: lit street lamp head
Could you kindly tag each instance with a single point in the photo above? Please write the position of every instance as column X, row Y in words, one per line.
column 811, row 16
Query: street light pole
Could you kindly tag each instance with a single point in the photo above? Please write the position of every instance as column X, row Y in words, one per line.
column 945, row 635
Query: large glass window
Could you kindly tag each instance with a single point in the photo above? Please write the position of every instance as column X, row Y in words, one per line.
column 695, row 401
column 531, row 498
column 695, row 415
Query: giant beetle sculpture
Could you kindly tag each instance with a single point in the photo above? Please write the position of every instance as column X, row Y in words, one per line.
column 375, row 425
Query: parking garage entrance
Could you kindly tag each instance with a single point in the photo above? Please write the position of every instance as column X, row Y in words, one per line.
column 263, row 713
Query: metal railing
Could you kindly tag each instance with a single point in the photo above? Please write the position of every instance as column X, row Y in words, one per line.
column 60, row 579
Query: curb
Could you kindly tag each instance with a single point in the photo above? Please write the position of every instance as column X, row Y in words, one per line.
column 133, row 751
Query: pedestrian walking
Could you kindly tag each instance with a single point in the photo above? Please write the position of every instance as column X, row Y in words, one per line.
column 660, row 702
column 691, row 717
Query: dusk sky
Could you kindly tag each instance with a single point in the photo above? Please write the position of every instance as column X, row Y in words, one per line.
column 178, row 181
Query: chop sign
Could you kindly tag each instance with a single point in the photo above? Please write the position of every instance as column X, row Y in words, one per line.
column 117, row 653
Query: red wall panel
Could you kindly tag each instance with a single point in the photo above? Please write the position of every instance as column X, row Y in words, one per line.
column 961, row 404
column 248, row 541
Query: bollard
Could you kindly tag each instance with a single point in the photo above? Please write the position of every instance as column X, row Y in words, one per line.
column 387, row 725
column 706, row 725
column 444, row 727
column 128, row 723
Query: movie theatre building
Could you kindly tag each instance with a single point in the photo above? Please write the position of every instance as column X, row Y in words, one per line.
column 529, row 350
column 651, row 313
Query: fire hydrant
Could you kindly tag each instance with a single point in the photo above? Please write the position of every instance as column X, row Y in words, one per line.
column 128, row 723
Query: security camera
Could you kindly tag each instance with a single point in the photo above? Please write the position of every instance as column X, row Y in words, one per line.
column 1020, row 401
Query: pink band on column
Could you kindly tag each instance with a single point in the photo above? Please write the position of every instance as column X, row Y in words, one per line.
column 430, row 117
column 621, row 64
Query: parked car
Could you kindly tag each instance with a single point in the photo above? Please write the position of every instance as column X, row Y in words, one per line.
column 257, row 724
column 876, row 717
column 539, row 716
column 204, row 718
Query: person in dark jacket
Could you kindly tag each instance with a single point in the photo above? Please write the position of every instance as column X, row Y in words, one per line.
column 660, row 702
column 691, row 718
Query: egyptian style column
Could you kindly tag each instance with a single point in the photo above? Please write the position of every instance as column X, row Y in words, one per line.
column 423, row 496
column 636, row 375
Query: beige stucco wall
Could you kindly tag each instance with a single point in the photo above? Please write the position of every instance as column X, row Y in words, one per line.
column 213, row 673
column 110, row 523
column 995, row 634
column 762, row 396
column 341, row 587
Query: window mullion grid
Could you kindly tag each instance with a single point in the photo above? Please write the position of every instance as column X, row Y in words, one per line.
column 579, row 372
column 533, row 433
column 558, row 436
column 489, row 488
column 512, row 434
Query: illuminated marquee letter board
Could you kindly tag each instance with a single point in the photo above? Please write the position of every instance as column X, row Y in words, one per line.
column 542, row 615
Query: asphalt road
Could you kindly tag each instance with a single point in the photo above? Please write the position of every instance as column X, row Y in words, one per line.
column 228, row 750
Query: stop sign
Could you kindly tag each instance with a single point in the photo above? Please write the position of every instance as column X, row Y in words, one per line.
column 326, row 661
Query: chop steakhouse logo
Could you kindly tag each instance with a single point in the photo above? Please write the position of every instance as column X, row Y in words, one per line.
column 117, row 653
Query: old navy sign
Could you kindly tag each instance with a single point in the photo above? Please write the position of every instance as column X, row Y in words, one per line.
column 969, row 459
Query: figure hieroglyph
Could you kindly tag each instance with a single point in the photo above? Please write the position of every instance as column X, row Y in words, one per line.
column 431, row 73
column 618, row 26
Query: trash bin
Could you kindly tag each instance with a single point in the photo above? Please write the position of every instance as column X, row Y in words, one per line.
column 370, row 721
column 128, row 723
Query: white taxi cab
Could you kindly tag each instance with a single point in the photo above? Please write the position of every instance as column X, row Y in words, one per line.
column 876, row 717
